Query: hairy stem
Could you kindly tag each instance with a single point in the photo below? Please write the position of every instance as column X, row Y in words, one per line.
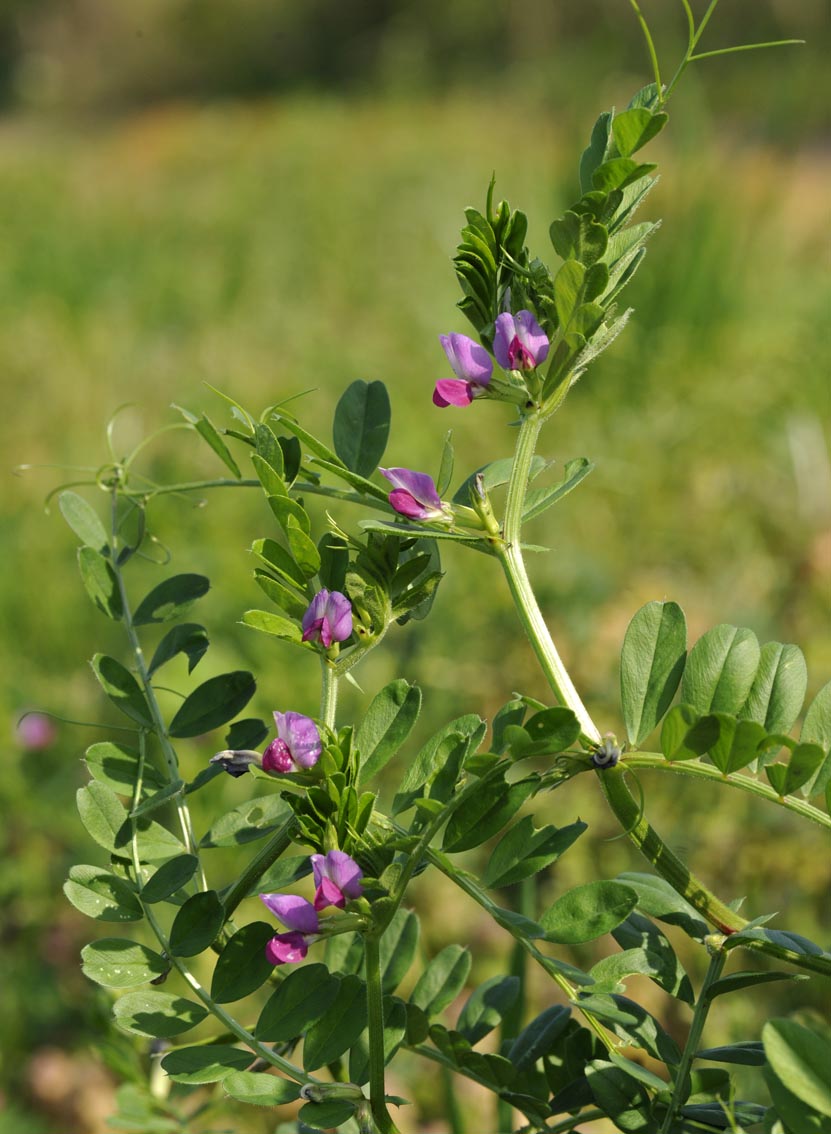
column 328, row 692
column 681, row 1088
column 509, row 552
column 279, row 842
column 375, row 1024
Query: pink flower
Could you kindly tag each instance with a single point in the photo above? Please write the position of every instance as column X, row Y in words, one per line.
column 520, row 342
column 297, row 746
column 328, row 618
column 36, row 731
column 337, row 877
column 414, row 494
column 472, row 366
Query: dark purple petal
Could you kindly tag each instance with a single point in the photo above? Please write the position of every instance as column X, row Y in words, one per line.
column 300, row 734
column 286, row 948
column 277, row 757
column 470, row 361
column 452, row 392
column 293, row 911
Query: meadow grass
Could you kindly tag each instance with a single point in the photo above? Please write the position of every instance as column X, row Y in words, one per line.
column 273, row 248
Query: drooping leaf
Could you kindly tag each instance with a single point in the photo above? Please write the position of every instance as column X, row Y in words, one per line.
column 247, row 822
column 157, row 1014
column 122, row 689
column 733, row 982
column 117, row 963
column 721, row 669
column 362, row 426
column 213, row 703
column 456, row 739
column 102, row 895
column 537, row 1038
column 196, row 924
column 658, row 899
column 260, row 1089
column 588, row 911
column 524, row 851
column 662, row 964
column 171, row 599
column 208, row 431
column 116, row 766
column 340, row 1025
column 100, row 582
column 334, row 561
column 398, row 949
column 102, row 813
column 816, row 729
column 205, row 1064
column 188, row 638
column 486, row 811
column 388, row 722
column 170, row 878
column 651, row 664
column 301, row 999
column 800, row 1059
column 486, row 1006
column 748, row 1053
column 84, row 521
column 242, row 966
column 632, row 1023
column 442, row 980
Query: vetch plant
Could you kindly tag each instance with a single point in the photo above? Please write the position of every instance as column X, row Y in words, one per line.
column 307, row 1018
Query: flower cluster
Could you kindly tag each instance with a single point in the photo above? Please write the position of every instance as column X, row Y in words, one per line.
column 296, row 748
column 519, row 344
column 328, row 618
column 337, row 878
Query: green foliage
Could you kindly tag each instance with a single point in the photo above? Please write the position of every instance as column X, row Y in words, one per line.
column 652, row 661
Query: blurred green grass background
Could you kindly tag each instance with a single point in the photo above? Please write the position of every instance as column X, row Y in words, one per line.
column 269, row 228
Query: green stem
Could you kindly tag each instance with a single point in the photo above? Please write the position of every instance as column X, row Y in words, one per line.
column 552, row 967
column 231, row 1025
column 629, row 814
column 328, row 692
column 375, row 1027
column 701, row 771
column 681, row 1088
column 279, row 842
column 512, row 1020
column 509, row 552
column 159, row 727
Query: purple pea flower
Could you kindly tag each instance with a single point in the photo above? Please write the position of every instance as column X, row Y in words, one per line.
column 297, row 746
column 473, row 369
column 414, row 494
column 300, row 918
column 520, row 343
column 328, row 619
column 36, row 731
column 337, row 877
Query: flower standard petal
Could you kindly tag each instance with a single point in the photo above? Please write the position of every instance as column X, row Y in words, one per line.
column 519, row 342
column 286, row 948
column 470, row 361
column 532, row 336
column 293, row 911
column 328, row 618
column 301, row 737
